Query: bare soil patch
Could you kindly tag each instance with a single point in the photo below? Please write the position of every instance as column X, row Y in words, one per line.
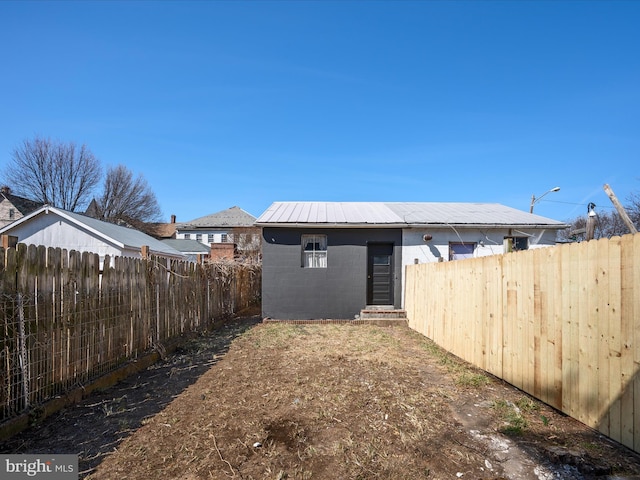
column 282, row 401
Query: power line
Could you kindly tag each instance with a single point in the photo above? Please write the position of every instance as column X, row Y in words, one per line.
column 578, row 204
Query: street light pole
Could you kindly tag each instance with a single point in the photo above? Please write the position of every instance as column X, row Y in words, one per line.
column 535, row 200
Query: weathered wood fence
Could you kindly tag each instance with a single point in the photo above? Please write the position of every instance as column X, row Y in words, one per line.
column 64, row 321
column 561, row 323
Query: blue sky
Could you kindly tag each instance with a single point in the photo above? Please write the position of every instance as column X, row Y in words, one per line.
column 245, row 103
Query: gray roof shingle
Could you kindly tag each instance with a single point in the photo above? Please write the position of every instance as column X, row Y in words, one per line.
column 186, row 245
column 231, row 217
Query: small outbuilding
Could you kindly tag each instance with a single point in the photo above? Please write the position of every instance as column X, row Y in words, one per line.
column 331, row 260
column 54, row 227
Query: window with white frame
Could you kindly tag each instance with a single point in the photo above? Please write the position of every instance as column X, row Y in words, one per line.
column 199, row 237
column 211, row 238
column 314, row 251
column 224, row 238
column 460, row 250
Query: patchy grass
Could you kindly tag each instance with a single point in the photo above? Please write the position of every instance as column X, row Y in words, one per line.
column 512, row 415
column 465, row 374
column 305, row 402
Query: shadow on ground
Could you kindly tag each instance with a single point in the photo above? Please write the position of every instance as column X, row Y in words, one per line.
column 96, row 426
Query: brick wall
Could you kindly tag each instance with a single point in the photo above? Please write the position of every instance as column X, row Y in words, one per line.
column 221, row 251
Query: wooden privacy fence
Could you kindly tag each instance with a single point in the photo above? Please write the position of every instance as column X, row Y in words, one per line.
column 561, row 323
column 65, row 321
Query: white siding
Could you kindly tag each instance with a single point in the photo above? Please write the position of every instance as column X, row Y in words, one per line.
column 217, row 235
column 53, row 230
column 488, row 242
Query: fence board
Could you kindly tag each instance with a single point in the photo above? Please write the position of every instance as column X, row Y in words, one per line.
column 555, row 357
column 494, row 329
column 570, row 335
column 614, row 322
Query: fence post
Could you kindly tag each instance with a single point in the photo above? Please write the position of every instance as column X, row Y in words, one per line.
column 9, row 241
column 157, row 313
column 23, row 354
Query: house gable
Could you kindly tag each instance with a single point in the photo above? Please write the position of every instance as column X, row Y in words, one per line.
column 14, row 207
column 54, row 227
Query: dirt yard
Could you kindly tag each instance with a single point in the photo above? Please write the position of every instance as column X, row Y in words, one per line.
column 282, row 401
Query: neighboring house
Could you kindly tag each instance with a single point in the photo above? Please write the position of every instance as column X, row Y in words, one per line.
column 163, row 231
column 54, row 227
column 234, row 226
column 192, row 249
column 13, row 207
column 333, row 259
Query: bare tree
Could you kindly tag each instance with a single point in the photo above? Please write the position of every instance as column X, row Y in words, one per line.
column 248, row 242
column 633, row 208
column 50, row 171
column 126, row 200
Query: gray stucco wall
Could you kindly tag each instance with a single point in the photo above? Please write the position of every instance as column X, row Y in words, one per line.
column 339, row 291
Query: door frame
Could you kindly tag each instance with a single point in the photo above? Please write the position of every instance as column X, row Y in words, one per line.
column 371, row 247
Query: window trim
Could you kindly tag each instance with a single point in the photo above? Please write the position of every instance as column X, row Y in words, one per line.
column 316, row 257
column 473, row 246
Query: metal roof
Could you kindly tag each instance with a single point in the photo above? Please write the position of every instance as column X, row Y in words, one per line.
column 328, row 213
column 401, row 214
column 128, row 237
column 231, row 217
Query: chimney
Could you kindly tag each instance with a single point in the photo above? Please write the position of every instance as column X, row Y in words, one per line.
column 173, row 219
column 6, row 190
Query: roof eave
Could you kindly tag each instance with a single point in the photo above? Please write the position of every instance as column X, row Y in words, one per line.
column 536, row 226
column 331, row 225
column 489, row 225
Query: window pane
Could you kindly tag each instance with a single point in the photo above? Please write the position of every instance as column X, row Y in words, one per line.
column 315, row 259
column 458, row 251
column 520, row 243
column 381, row 259
column 314, row 251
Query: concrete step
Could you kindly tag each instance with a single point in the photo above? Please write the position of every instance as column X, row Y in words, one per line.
column 382, row 314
